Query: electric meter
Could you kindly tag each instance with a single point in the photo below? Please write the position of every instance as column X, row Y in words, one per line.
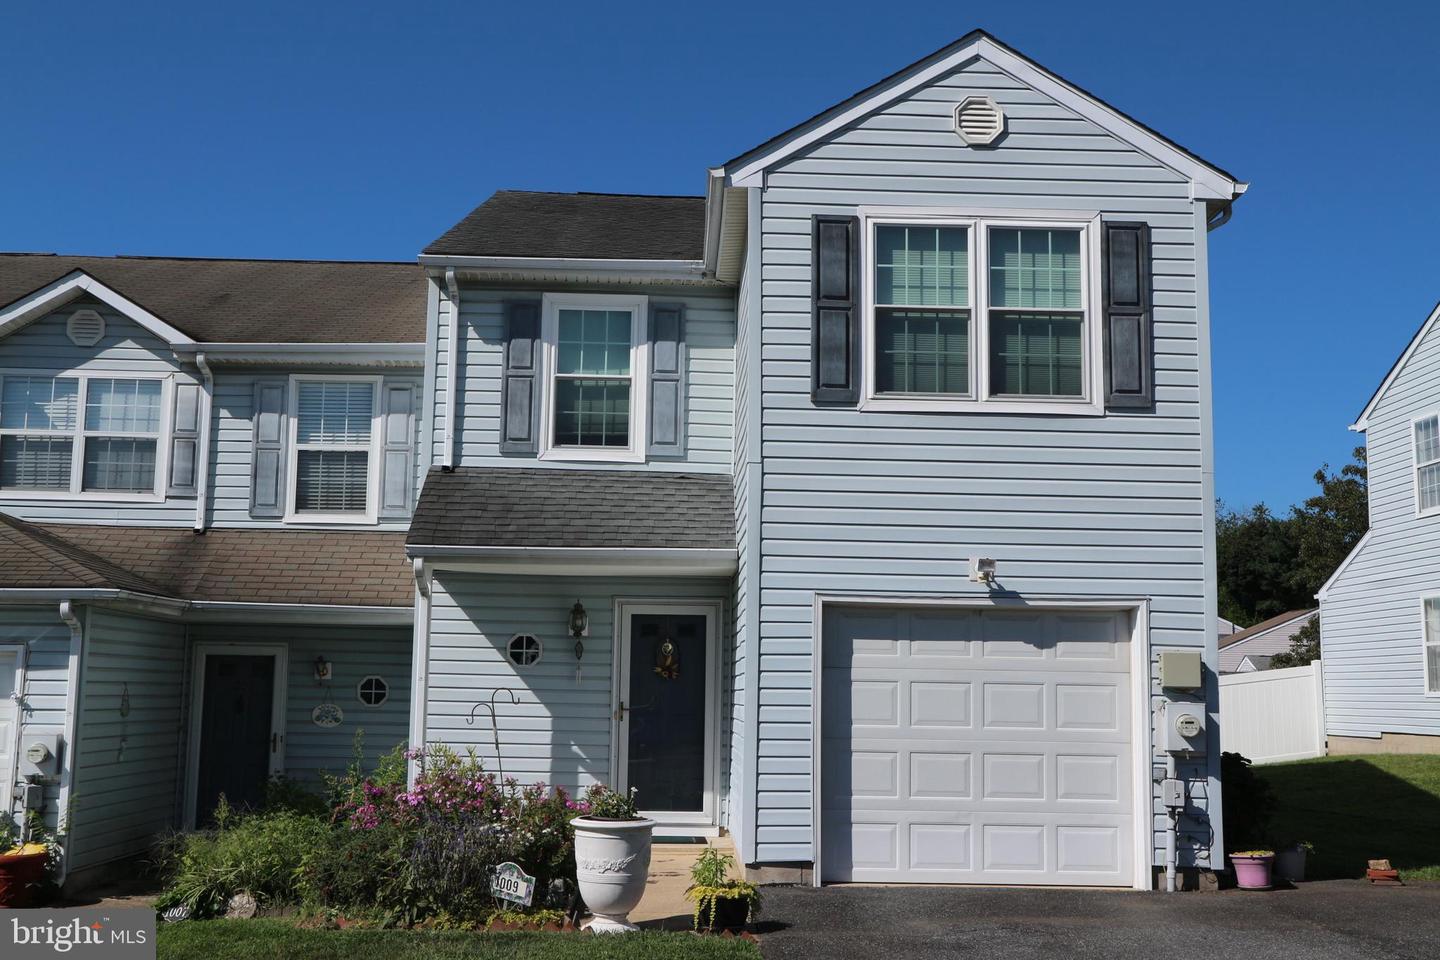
column 1182, row 727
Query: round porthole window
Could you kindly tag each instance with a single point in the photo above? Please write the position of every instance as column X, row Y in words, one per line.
column 524, row 650
column 373, row 691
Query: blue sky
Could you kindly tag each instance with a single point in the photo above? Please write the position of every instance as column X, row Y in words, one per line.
column 362, row 131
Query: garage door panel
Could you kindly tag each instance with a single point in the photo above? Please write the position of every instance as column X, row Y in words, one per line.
column 1006, row 761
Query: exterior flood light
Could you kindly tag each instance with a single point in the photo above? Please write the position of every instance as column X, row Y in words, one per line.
column 982, row 570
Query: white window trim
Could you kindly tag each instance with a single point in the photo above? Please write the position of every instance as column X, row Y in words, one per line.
column 79, row 434
column 1415, row 465
column 359, row 691
column 292, row 457
column 639, row 376
column 1425, row 644
column 979, row 222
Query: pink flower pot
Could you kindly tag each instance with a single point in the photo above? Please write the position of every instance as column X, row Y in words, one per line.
column 1253, row 873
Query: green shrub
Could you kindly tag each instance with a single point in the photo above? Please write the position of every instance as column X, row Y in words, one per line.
column 362, row 870
column 259, row 853
column 1248, row 803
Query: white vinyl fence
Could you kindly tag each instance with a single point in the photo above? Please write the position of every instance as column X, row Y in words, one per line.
column 1273, row 715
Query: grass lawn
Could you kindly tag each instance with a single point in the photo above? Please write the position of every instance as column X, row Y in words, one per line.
column 281, row 940
column 1361, row 808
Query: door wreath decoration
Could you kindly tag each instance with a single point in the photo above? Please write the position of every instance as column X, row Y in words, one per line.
column 667, row 660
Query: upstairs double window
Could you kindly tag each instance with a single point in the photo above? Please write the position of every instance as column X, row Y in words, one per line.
column 80, row 434
column 993, row 314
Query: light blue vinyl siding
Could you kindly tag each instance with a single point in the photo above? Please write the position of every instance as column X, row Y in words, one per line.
column 1371, row 635
column 127, row 764
column 231, row 419
column 709, row 378
column 354, row 652
column 896, row 504
column 559, row 732
column 127, row 348
column 46, row 697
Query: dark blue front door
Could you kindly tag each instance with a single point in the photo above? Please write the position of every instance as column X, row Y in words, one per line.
column 666, row 711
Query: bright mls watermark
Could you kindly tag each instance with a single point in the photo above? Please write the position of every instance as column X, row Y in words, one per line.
column 124, row 934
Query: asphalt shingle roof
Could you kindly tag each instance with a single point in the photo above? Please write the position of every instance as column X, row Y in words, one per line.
column 249, row 301
column 537, row 507
column 246, row 566
column 601, row 226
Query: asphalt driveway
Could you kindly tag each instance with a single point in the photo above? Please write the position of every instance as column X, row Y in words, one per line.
column 1335, row 919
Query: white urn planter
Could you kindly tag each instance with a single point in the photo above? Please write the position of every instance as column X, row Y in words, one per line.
column 612, row 863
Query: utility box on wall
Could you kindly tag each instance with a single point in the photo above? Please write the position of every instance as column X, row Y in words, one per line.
column 39, row 754
column 1181, row 670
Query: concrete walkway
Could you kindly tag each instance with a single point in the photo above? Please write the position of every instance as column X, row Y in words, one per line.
column 664, row 906
column 1332, row 920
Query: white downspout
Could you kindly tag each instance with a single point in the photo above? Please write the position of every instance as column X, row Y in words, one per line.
column 1172, row 772
column 419, row 660
column 72, row 722
column 452, row 370
column 202, row 445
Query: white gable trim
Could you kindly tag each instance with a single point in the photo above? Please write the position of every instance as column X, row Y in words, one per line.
column 1344, row 564
column 1364, row 419
column 1207, row 183
column 54, row 296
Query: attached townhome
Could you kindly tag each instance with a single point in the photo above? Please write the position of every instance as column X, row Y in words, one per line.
column 860, row 509
column 1380, row 612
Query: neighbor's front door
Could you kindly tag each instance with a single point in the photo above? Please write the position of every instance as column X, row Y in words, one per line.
column 237, row 738
column 666, row 714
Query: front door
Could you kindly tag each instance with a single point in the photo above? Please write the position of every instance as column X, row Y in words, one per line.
column 237, row 736
column 667, row 713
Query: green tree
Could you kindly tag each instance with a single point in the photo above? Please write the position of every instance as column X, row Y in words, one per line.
column 1255, row 554
column 1304, row 646
column 1329, row 524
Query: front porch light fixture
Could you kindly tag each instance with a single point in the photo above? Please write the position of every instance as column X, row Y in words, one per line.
column 579, row 627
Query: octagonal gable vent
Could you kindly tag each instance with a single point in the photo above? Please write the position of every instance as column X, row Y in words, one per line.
column 979, row 121
column 85, row 328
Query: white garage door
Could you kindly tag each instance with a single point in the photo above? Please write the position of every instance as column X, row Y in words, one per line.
column 966, row 746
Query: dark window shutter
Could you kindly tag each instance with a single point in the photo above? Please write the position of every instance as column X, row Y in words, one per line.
column 520, row 386
column 835, row 310
column 667, row 380
column 267, row 455
column 1129, row 317
column 398, row 463
column 185, row 441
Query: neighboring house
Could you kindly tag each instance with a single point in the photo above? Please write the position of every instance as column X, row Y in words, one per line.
column 1380, row 611
column 704, row 487
column 1223, row 627
column 1261, row 642
column 1251, row 663
column 206, row 474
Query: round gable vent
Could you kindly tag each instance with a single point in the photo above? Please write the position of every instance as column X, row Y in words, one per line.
column 85, row 328
column 979, row 121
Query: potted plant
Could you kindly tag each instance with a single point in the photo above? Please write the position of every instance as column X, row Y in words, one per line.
column 23, row 862
column 1290, row 861
column 1252, row 868
column 612, row 858
column 720, row 902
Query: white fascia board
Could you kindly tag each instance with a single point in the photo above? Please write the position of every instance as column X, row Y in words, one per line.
column 1363, row 421
column 213, row 611
column 638, row 269
column 74, row 284
column 1207, row 182
column 1344, row 564
column 347, row 354
column 581, row 561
